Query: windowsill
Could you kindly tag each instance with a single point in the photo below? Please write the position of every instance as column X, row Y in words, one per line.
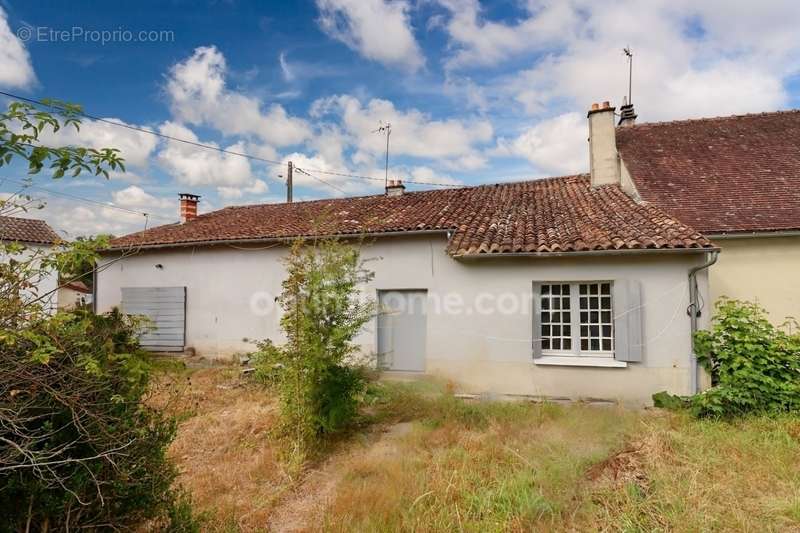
column 573, row 360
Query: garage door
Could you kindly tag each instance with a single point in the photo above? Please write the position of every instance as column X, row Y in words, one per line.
column 165, row 307
column 402, row 330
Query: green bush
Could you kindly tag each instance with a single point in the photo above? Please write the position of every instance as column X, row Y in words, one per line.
column 79, row 448
column 316, row 374
column 754, row 366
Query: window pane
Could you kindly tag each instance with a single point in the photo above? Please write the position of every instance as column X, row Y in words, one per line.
column 556, row 317
column 596, row 317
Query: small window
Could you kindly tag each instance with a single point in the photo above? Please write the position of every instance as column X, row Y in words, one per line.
column 577, row 319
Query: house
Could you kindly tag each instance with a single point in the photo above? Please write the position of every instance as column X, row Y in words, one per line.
column 37, row 239
column 74, row 294
column 558, row 287
column 737, row 180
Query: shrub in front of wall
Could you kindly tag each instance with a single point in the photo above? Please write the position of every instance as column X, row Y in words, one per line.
column 79, row 448
column 754, row 366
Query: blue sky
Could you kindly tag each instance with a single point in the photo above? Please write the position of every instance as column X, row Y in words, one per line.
column 476, row 92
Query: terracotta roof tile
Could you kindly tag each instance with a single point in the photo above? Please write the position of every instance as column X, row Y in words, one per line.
column 27, row 230
column 728, row 174
column 548, row 215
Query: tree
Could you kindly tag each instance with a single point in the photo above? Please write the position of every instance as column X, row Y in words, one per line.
column 79, row 446
column 317, row 374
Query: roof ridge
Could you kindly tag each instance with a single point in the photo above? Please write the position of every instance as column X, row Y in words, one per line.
column 426, row 191
column 711, row 119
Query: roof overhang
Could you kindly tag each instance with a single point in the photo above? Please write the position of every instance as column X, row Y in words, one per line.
column 583, row 253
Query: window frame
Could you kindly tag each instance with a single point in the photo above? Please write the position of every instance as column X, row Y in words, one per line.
column 575, row 322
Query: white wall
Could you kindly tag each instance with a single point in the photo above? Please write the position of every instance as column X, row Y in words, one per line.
column 45, row 284
column 479, row 352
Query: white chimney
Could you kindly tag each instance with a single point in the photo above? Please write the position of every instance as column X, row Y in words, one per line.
column 603, row 155
column 395, row 188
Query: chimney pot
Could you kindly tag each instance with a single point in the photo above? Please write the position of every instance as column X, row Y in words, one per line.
column 595, row 106
column 188, row 204
column 606, row 104
column 395, row 188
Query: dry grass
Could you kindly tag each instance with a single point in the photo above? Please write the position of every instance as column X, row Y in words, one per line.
column 431, row 462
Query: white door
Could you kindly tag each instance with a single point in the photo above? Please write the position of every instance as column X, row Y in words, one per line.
column 402, row 330
column 165, row 309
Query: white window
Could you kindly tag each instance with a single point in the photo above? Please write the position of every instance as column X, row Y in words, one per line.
column 576, row 319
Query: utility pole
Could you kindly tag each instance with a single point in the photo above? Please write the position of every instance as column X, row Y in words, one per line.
column 289, row 172
column 388, row 129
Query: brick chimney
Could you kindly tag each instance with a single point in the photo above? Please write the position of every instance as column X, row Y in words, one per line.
column 188, row 206
column 395, row 188
column 603, row 155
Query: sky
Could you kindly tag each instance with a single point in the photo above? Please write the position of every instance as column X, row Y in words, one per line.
column 475, row 92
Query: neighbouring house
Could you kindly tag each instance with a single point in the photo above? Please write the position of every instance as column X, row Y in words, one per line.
column 560, row 287
column 737, row 180
column 74, row 295
column 37, row 239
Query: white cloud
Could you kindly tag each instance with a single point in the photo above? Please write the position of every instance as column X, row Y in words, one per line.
column 134, row 197
column 429, row 175
column 15, row 62
column 195, row 166
column 478, row 42
column 377, row 29
column 198, row 95
column 258, row 187
column 691, row 58
column 554, row 146
column 135, row 147
column 414, row 133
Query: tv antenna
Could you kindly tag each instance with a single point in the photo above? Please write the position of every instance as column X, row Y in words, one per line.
column 388, row 129
column 627, row 51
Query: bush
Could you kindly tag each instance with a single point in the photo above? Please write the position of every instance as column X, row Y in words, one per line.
column 318, row 379
column 78, row 446
column 754, row 366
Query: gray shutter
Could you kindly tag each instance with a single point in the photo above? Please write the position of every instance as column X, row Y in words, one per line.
column 165, row 308
column 628, row 321
column 537, row 319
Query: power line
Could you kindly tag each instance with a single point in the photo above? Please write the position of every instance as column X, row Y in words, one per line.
column 329, row 184
column 209, row 147
column 83, row 199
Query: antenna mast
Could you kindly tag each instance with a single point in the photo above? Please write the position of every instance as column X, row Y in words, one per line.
column 388, row 129
column 629, row 54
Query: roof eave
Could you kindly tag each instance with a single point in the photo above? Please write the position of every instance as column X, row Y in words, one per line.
column 632, row 251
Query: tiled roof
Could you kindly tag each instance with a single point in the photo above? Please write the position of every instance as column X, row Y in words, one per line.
column 27, row 230
column 549, row 215
column 729, row 174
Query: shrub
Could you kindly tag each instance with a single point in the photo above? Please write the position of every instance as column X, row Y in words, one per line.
column 78, row 447
column 316, row 373
column 754, row 366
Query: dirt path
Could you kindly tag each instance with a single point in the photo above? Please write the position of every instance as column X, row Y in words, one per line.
column 303, row 509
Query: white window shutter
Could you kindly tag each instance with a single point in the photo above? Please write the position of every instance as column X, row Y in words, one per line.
column 628, row 321
column 537, row 319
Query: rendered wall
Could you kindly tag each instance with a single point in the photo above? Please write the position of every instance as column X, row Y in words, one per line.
column 764, row 270
column 481, row 352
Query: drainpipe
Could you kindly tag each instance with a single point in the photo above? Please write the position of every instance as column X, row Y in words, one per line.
column 694, row 312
